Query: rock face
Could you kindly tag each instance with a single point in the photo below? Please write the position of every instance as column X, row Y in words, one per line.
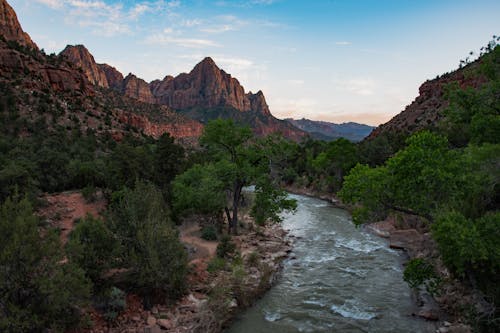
column 81, row 57
column 427, row 109
column 10, row 28
column 205, row 86
column 67, row 84
column 182, row 128
column 206, row 93
column 113, row 76
column 137, row 88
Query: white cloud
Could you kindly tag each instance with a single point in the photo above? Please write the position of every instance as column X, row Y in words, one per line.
column 343, row 43
column 166, row 39
column 191, row 23
column 245, row 3
column 106, row 18
column 51, row 3
column 218, row 29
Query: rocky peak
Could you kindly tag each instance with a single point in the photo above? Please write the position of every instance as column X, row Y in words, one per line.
column 258, row 102
column 207, row 86
column 137, row 88
column 10, row 28
column 113, row 76
column 157, row 86
column 81, row 57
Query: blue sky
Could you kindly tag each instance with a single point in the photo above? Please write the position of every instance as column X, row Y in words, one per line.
column 337, row 60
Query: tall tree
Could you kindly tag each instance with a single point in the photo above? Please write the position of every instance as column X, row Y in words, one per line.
column 236, row 161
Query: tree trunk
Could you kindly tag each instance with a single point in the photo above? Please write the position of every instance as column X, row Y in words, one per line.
column 228, row 214
column 233, row 225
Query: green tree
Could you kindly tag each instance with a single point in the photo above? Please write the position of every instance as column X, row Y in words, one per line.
column 155, row 260
column 92, row 246
column 198, row 190
column 339, row 157
column 38, row 291
column 236, row 161
column 168, row 162
column 417, row 180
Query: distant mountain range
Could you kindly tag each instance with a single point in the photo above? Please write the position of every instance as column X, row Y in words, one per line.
column 323, row 130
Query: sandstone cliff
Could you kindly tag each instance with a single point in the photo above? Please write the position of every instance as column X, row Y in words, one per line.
column 81, row 57
column 137, row 88
column 206, row 86
column 10, row 29
column 113, row 76
column 205, row 93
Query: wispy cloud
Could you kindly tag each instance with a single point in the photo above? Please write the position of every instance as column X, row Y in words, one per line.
column 107, row 18
column 245, row 3
column 168, row 39
column 51, row 3
column 343, row 43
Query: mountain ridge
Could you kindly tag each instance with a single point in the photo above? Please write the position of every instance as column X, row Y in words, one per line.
column 201, row 94
column 328, row 131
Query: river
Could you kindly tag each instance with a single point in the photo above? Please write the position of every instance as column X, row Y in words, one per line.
column 338, row 278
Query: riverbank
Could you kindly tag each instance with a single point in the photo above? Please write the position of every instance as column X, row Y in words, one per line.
column 446, row 305
column 217, row 292
column 327, row 196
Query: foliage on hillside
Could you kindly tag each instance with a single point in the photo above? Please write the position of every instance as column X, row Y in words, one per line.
column 452, row 180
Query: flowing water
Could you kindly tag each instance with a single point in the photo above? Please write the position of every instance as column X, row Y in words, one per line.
column 339, row 278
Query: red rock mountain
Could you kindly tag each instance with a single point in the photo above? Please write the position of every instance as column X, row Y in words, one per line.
column 10, row 29
column 113, row 76
column 427, row 109
column 60, row 91
column 137, row 88
column 205, row 93
column 81, row 57
column 207, row 86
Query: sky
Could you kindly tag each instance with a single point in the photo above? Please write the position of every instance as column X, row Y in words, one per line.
column 331, row 60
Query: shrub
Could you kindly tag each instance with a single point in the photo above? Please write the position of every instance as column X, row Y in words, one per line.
column 111, row 302
column 420, row 272
column 150, row 247
column 88, row 193
column 209, row 233
column 91, row 246
column 38, row 292
column 226, row 247
column 216, row 264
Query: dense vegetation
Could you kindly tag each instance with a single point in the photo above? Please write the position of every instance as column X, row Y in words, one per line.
column 134, row 246
column 451, row 179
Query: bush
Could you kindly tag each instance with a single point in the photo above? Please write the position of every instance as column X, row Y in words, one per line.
column 38, row 292
column 111, row 302
column 420, row 272
column 209, row 233
column 226, row 247
column 88, row 193
column 91, row 246
column 216, row 264
column 150, row 247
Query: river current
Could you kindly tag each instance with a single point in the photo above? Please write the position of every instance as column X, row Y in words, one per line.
column 338, row 278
